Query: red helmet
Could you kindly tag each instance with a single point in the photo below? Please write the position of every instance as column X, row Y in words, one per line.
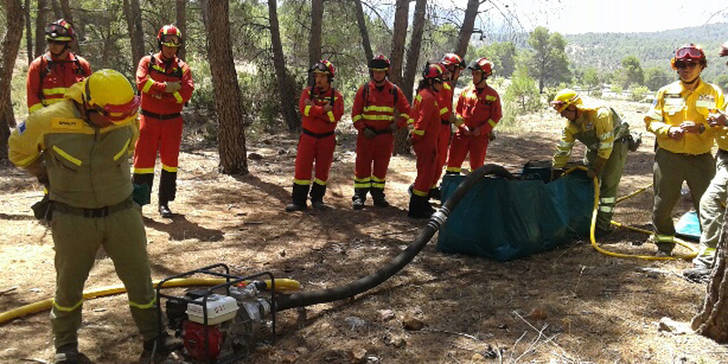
column 170, row 36
column 482, row 64
column 324, row 66
column 723, row 50
column 688, row 53
column 450, row 59
column 433, row 71
column 59, row 31
column 379, row 63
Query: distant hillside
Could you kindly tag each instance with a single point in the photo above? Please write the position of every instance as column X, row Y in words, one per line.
column 605, row 51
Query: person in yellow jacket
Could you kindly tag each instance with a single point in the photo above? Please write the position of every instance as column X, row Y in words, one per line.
column 678, row 118
column 79, row 147
column 606, row 140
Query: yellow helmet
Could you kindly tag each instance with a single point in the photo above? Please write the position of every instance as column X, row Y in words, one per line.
column 564, row 98
column 110, row 93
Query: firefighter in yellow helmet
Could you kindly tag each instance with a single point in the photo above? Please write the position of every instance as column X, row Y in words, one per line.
column 606, row 139
column 79, row 148
column 679, row 119
column 712, row 210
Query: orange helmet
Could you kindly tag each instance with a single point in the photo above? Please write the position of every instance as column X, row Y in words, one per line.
column 59, row 31
column 379, row 63
column 170, row 36
column 450, row 59
column 433, row 71
column 482, row 64
column 323, row 66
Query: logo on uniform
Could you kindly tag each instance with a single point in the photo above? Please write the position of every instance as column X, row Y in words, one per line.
column 21, row 128
column 706, row 101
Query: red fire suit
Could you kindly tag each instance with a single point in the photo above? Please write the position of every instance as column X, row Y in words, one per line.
column 317, row 140
column 443, row 138
column 425, row 137
column 376, row 112
column 49, row 78
column 160, row 121
column 480, row 111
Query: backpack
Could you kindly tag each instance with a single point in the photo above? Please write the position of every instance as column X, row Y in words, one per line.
column 153, row 62
column 394, row 91
column 44, row 71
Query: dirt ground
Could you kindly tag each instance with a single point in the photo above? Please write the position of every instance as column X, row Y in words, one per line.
column 571, row 305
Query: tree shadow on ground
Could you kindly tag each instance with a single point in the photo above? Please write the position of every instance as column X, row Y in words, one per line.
column 181, row 229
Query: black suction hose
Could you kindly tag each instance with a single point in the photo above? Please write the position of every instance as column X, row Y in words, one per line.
column 285, row 302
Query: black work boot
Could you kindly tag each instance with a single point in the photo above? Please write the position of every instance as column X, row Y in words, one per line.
column 360, row 196
column 418, row 207
column 68, row 354
column 317, row 196
column 164, row 210
column 299, row 195
column 378, row 197
column 434, row 193
column 158, row 349
column 142, row 187
column 698, row 274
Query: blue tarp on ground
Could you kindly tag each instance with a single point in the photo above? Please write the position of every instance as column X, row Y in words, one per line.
column 688, row 226
column 504, row 220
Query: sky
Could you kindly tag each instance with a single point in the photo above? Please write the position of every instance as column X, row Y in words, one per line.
column 618, row 16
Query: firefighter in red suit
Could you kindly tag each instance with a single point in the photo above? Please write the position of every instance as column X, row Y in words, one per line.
column 321, row 107
column 453, row 65
column 379, row 109
column 477, row 112
column 426, row 113
column 166, row 85
column 52, row 73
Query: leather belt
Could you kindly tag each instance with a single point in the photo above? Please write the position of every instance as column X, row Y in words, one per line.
column 160, row 116
column 317, row 135
column 93, row 213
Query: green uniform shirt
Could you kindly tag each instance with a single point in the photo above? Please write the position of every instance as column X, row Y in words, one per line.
column 596, row 128
column 87, row 166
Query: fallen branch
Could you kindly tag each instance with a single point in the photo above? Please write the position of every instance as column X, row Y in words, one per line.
column 8, row 290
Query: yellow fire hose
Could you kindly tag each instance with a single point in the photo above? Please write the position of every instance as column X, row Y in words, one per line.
column 282, row 285
column 592, row 228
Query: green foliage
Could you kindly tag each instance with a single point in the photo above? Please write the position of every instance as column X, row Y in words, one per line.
column 547, row 63
column 502, row 54
column 637, row 92
column 631, row 72
column 591, row 79
column 656, row 77
column 616, row 88
column 521, row 97
column 722, row 82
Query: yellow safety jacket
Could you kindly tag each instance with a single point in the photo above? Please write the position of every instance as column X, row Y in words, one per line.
column 87, row 166
column 675, row 104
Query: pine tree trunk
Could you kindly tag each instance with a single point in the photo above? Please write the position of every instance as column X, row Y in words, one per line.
column 10, row 46
column 413, row 53
column 314, row 41
column 395, row 70
column 181, row 9
column 56, row 9
column 133, row 16
column 288, row 106
column 28, row 33
column 66, row 11
column 467, row 29
column 361, row 22
column 228, row 106
column 40, row 23
column 712, row 321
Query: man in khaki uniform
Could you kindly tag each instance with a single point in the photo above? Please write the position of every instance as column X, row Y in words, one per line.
column 80, row 147
column 678, row 118
column 712, row 204
column 606, row 140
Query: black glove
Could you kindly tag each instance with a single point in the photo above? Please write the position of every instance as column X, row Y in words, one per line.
column 141, row 193
column 369, row 133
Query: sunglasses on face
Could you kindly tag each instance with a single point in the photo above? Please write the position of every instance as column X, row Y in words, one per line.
column 685, row 65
